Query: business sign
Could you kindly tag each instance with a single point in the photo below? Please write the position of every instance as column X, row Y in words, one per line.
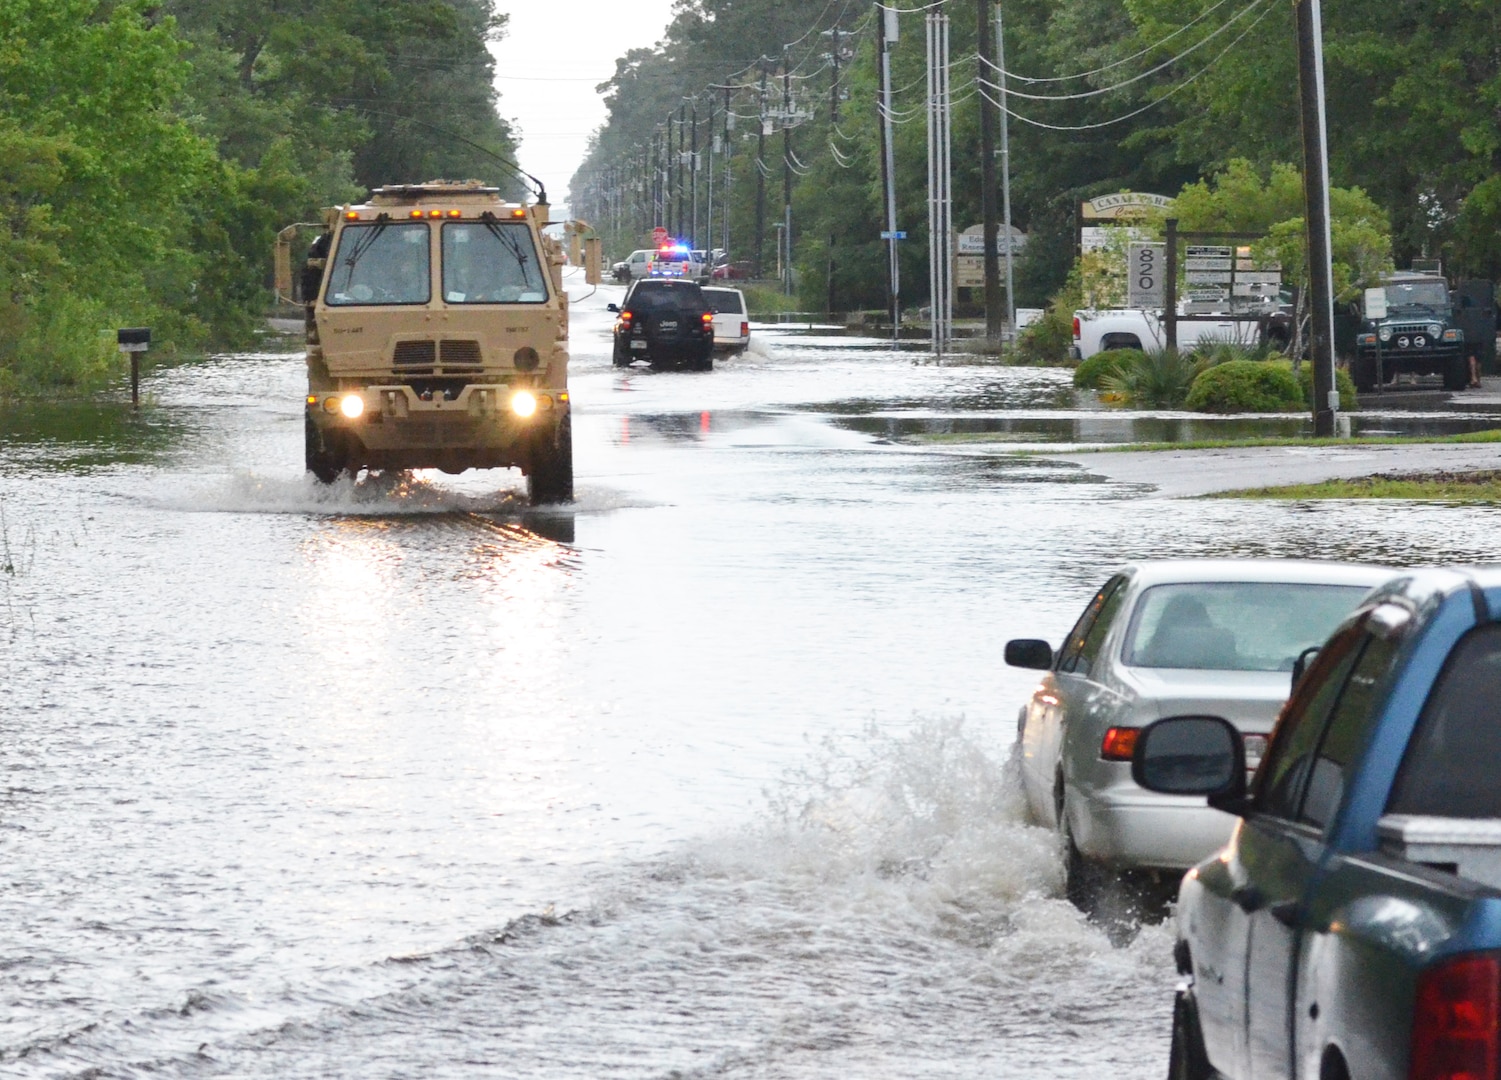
column 1145, row 264
column 1123, row 204
column 972, row 240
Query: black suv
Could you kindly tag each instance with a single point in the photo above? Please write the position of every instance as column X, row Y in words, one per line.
column 662, row 321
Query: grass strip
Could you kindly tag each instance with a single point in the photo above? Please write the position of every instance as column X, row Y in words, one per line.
column 1478, row 486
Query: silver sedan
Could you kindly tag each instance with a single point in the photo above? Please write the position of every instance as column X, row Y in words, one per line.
column 1192, row 637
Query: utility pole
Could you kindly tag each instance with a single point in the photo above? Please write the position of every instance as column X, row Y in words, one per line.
column 729, row 125
column 834, row 59
column 987, row 177
column 693, row 175
column 1316, row 212
column 940, row 206
column 682, row 129
column 1000, row 59
column 761, row 178
column 787, row 173
column 709, row 187
column 886, row 35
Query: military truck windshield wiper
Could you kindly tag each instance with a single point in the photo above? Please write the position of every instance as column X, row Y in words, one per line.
column 510, row 243
column 363, row 244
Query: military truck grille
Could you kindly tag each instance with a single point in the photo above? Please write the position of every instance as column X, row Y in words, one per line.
column 410, row 355
column 459, row 354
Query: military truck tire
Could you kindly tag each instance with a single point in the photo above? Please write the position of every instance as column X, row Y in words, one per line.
column 1457, row 373
column 1364, row 374
column 549, row 478
column 323, row 462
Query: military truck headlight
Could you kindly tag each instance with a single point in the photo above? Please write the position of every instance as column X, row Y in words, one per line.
column 1434, row 329
column 352, row 406
column 1386, row 333
column 523, row 403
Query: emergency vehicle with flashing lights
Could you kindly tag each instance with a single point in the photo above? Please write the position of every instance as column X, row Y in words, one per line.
column 437, row 336
column 673, row 261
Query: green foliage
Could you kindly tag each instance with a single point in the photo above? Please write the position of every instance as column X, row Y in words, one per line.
column 1048, row 340
column 1154, row 380
column 1348, row 402
column 1245, row 386
column 1212, row 351
column 766, row 299
column 147, row 160
column 1092, row 370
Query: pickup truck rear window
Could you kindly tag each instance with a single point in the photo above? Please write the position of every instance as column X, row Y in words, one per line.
column 1450, row 766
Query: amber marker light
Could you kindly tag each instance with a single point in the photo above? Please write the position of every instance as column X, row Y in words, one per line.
column 312, row 399
column 1118, row 744
column 416, row 213
column 518, row 213
column 351, row 215
column 523, row 403
column 456, row 213
column 435, row 213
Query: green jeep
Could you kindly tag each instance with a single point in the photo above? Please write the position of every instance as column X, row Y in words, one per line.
column 1420, row 335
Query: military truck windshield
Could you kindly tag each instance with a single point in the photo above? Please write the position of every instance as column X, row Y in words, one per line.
column 1432, row 294
column 491, row 262
column 380, row 263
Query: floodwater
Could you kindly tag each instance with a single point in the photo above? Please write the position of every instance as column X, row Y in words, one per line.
column 706, row 778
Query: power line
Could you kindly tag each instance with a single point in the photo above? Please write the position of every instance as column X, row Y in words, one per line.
column 1135, row 78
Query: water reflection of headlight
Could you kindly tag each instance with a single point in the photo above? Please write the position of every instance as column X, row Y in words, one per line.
column 523, row 403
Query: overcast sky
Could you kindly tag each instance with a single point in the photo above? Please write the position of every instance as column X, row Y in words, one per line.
column 548, row 66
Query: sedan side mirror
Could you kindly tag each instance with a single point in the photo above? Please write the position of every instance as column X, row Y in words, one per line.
column 613, row 307
column 1192, row 755
column 1029, row 653
column 1300, row 665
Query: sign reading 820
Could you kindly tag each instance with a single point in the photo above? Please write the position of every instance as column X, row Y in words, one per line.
column 1145, row 266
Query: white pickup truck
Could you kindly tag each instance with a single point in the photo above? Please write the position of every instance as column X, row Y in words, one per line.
column 1130, row 328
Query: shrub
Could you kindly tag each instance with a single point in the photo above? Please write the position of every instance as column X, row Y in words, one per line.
column 1213, row 351
column 1047, row 340
column 1153, row 380
column 1348, row 402
column 1246, row 386
column 1088, row 374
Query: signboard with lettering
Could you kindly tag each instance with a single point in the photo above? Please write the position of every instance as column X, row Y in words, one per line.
column 1145, row 263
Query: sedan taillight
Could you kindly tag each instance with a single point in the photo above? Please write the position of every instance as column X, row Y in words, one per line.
column 1118, row 744
column 1455, row 1020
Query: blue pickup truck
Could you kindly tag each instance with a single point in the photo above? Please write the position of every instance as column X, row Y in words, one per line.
column 1351, row 928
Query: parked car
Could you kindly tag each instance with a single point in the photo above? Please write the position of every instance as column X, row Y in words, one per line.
column 1352, row 925
column 664, row 320
column 634, row 266
column 736, row 271
column 1216, row 637
column 1133, row 328
column 731, row 322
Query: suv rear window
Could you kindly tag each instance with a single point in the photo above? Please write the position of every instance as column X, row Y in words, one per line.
column 1450, row 766
column 724, row 301
column 661, row 296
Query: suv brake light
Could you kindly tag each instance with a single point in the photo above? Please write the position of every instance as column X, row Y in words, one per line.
column 1454, row 1023
column 1118, row 744
column 1076, row 327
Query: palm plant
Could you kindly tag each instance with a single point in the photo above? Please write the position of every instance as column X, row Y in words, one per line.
column 1154, row 380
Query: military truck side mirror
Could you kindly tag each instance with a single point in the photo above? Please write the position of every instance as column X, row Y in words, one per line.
column 1029, row 653
column 1192, row 755
column 613, row 307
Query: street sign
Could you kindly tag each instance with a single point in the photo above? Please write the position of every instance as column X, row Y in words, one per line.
column 1207, row 277
column 1208, row 296
column 1208, row 251
column 898, row 235
column 658, row 236
column 1375, row 303
column 1144, row 273
column 969, row 272
column 1206, row 264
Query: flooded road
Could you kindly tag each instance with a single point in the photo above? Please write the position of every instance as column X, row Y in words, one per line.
column 704, row 779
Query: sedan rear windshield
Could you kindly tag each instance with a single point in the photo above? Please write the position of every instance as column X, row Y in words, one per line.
column 1234, row 626
column 724, row 301
column 379, row 264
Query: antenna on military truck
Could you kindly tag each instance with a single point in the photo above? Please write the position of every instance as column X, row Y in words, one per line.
column 538, row 189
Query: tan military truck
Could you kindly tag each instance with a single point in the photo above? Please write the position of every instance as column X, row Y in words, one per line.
column 437, row 336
